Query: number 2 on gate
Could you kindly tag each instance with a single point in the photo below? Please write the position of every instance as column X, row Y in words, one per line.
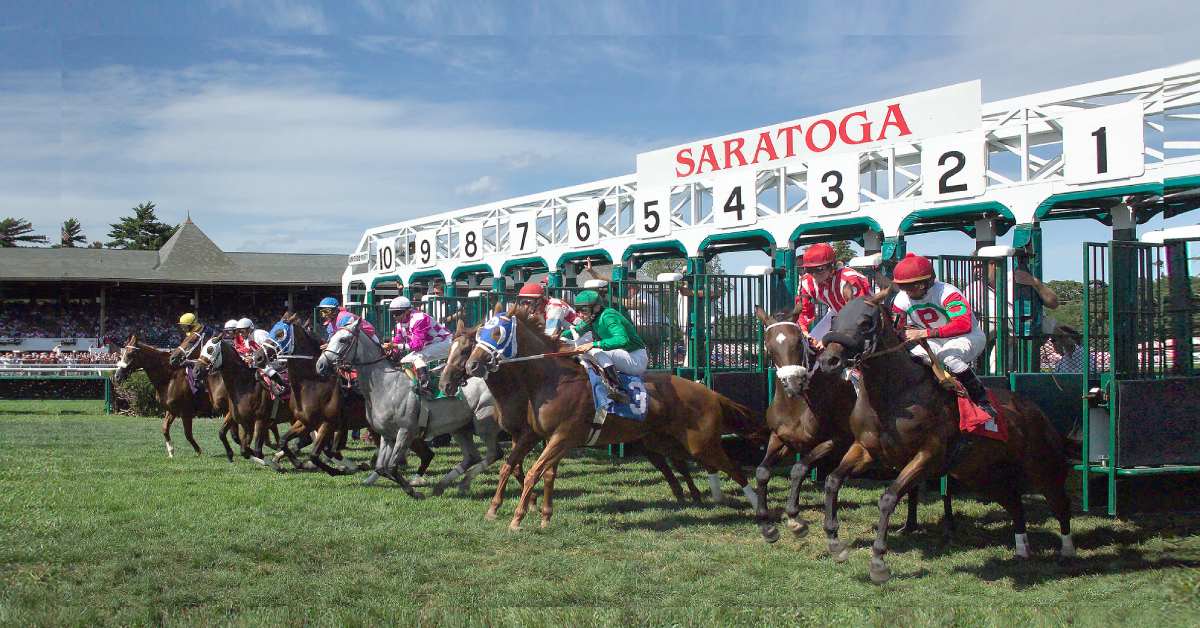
column 735, row 201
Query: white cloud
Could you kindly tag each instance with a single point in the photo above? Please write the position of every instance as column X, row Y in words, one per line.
column 282, row 15
column 485, row 185
column 274, row 48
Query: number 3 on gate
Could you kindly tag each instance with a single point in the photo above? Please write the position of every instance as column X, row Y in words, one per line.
column 735, row 201
column 833, row 185
column 583, row 222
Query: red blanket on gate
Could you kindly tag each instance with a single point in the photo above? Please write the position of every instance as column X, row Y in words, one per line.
column 977, row 422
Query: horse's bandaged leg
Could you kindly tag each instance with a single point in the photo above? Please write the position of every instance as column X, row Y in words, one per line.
column 750, row 496
column 1068, row 546
column 1022, row 545
column 714, row 485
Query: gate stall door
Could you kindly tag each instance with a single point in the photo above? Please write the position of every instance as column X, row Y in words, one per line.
column 654, row 309
column 725, row 337
column 986, row 283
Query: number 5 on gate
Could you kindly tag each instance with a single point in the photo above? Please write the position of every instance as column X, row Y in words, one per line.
column 652, row 212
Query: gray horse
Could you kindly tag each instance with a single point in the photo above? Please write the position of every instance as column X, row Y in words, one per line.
column 398, row 414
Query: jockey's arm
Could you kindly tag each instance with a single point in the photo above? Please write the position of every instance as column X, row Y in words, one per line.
column 959, row 313
column 616, row 336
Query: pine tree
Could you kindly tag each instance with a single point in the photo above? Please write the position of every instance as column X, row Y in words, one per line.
column 140, row 232
column 18, row 231
column 71, row 234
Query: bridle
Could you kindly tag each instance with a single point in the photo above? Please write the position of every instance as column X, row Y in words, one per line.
column 340, row 358
column 806, row 352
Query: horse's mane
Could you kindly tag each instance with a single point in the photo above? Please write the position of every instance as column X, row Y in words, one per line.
column 535, row 325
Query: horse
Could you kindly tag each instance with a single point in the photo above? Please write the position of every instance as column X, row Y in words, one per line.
column 251, row 406
column 170, row 387
column 810, row 416
column 551, row 395
column 398, row 414
column 916, row 430
column 179, row 357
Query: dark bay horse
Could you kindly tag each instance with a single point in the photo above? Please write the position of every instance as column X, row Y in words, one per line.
column 808, row 416
column 553, row 394
column 916, row 427
column 251, row 406
column 187, row 351
column 170, row 387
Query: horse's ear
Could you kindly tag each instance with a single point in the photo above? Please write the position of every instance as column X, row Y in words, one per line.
column 762, row 315
column 496, row 334
column 879, row 297
column 499, row 306
column 458, row 330
column 512, row 308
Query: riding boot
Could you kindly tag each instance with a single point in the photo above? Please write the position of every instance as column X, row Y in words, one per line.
column 976, row 391
column 279, row 387
column 423, row 388
column 614, row 386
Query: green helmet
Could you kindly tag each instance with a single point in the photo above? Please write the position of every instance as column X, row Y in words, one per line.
column 587, row 297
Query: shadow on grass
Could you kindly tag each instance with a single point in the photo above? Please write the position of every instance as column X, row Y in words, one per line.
column 1039, row 570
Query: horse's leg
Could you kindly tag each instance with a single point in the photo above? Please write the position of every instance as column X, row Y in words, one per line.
column 714, row 458
column 548, row 492
column 775, row 450
column 168, row 419
column 274, row 429
column 521, row 447
column 320, row 443
column 681, row 467
column 379, row 463
column 912, row 473
column 799, row 471
column 392, row 462
column 660, row 462
column 296, row 431
column 187, row 433
column 222, row 434
column 491, row 441
column 471, row 456
column 1010, row 499
column 556, row 447
column 1060, row 505
column 423, row 451
column 910, row 522
column 256, row 443
column 854, row 461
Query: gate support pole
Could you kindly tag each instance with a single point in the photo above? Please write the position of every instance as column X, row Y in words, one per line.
column 697, row 321
column 1027, row 307
column 893, row 250
column 783, row 281
column 554, row 279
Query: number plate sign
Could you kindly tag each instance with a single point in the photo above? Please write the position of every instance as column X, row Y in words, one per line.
column 735, row 203
column 833, row 184
column 583, row 223
column 522, row 233
column 652, row 212
column 470, row 241
column 1104, row 144
column 426, row 252
column 953, row 166
column 386, row 254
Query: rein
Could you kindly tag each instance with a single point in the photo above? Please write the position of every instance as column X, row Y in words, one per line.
column 339, row 358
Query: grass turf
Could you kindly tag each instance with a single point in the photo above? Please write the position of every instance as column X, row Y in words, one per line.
column 98, row 526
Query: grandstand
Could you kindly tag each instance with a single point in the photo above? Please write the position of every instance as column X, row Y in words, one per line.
column 54, row 302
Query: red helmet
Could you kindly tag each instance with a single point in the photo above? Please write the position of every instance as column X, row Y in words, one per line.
column 532, row 289
column 819, row 255
column 912, row 268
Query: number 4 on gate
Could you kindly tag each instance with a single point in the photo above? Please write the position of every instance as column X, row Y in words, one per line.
column 735, row 201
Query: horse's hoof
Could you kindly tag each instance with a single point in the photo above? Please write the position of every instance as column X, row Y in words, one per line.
column 514, row 527
column 490, row 515
column 199, row 453
column 418, row 480
column 258, row 460
column 908, row 530
column 438, row 489
column 880, row 573
column 770, row 533
column 797, row 526
column 545, row 523
column 416, row 495
column 371, row 479
column 840, row 551
column 271, row 464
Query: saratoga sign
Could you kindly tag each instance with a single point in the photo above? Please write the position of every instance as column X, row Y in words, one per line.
column 855, row 129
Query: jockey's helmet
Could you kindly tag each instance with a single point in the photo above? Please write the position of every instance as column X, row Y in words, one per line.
column 817, row 255
column 328, row 302
column 230, row 325
column 399, row 304
column 245, row 323
column 587, row 298
column 912, row 268
column 188, row 322
column 532, row 289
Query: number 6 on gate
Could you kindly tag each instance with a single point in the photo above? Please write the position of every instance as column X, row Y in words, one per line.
column 583, row 222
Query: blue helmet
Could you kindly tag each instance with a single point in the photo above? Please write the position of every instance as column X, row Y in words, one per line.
column 328, row 302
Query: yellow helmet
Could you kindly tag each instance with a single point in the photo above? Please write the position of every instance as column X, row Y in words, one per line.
column 188, row 321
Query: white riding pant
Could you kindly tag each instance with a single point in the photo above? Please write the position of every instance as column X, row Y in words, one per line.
column 435, row 350
column 822, row 326
column 957, row 353
column 633, row 363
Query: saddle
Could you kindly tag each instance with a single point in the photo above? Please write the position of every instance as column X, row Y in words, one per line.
column 634, row 388
column 972, row 419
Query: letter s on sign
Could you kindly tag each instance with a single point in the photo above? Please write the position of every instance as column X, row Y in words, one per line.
column 684, row 158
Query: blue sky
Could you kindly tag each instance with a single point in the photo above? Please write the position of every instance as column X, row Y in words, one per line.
column 291, row 125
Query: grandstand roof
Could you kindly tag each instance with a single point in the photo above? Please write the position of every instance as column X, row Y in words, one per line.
column 188, row 257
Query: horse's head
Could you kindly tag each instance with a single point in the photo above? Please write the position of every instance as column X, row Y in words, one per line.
column 185, row 349
column 342, row 351
column 454, row 373
column 128, row 361
column 788, row 349
column 494, row 340
column 855, row 332
column 211, row 357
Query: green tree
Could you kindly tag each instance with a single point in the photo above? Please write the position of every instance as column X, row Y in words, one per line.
column 140, row 232
column 71, row 234
column 18, row 231
column 656, row 267
column 843, row 251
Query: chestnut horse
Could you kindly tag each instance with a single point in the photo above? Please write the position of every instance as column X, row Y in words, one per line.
column 251, row 406
column 179, row 357
column 809, row 416
column 916, row 427
column 553, row 395
column 170, row 387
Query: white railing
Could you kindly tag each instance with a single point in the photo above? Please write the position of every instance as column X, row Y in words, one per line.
column 57, row 370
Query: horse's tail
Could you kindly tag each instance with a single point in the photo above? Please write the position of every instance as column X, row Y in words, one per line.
column 741, row 420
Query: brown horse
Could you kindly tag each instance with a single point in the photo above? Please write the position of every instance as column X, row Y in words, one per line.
column 251, row 405
column 552, row 395
column 808, row 416
column 915, row 429
column 179, row 357
column 170, row 387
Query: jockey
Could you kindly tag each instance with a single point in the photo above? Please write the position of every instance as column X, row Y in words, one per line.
column 335, row 318
column 424, row 338
column 267, row 353
column 190, row 324
column 825, row 283
column 939, row 312
column 243, row 343
column 557, row 314
column 229, row 330
column 617, row 346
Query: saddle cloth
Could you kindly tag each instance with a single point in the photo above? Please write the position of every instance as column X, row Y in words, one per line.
column 633, row 386
column 193, row 383
column 976, row 421
column 270, row 385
